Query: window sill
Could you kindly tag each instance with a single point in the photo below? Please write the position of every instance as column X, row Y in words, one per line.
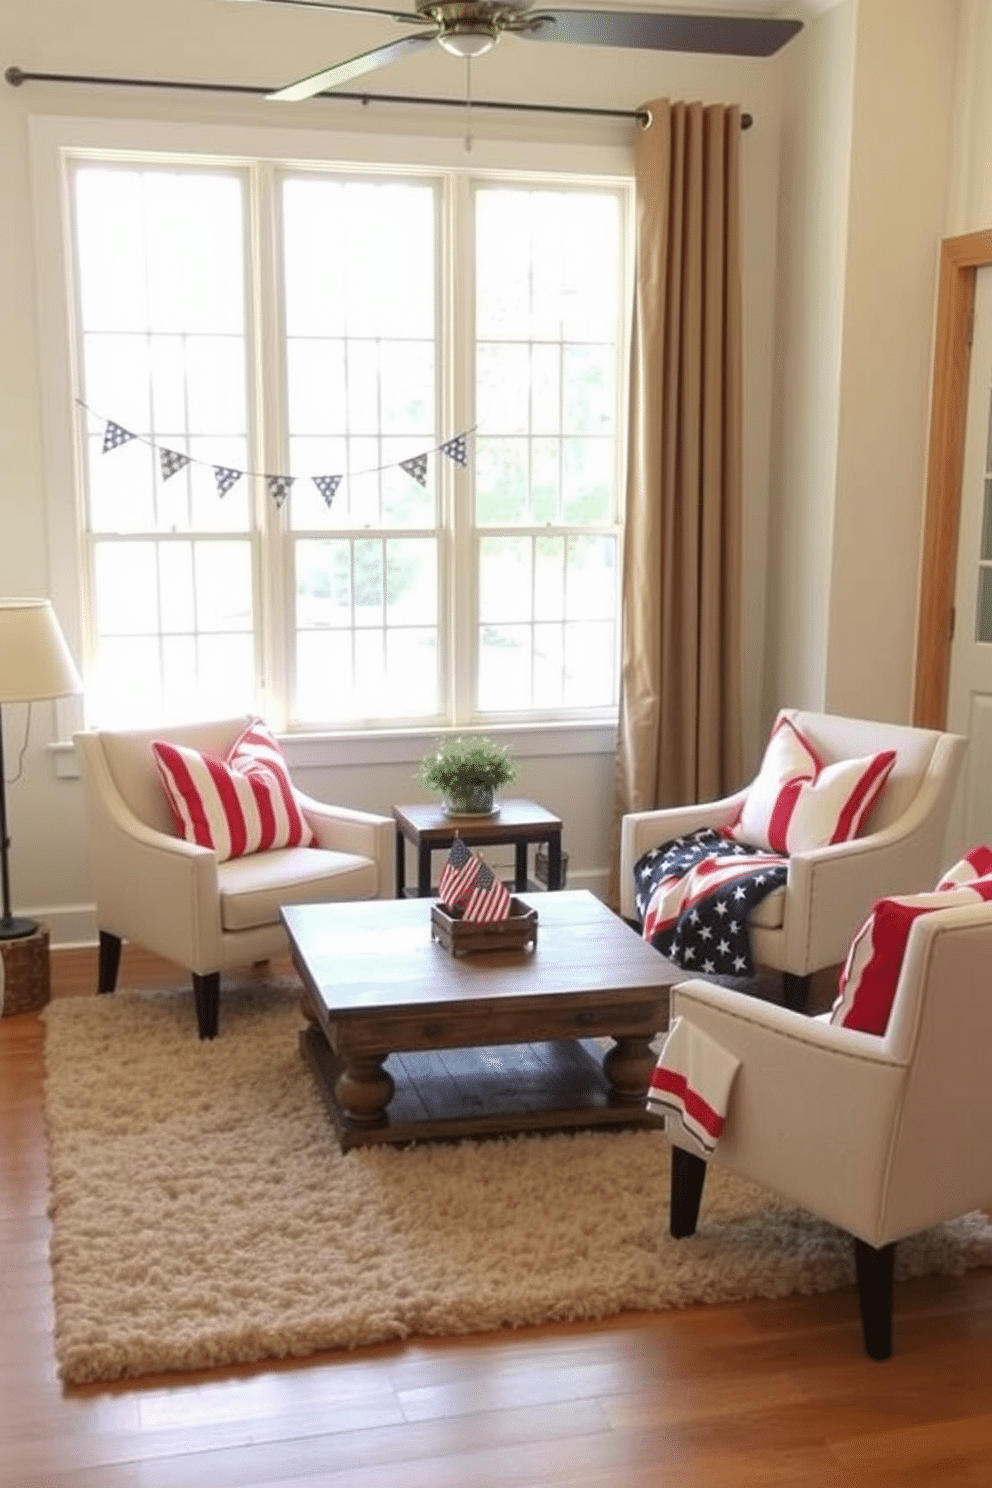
column 408, row 746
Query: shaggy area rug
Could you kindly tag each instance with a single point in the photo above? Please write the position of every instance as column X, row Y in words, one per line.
column 203, row 1214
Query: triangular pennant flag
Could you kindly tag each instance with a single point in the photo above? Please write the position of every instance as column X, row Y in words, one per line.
column 279, row 487
column 417, row 467
column 171, row 462
column 327, row 485
column 456, row 449
column 226, row 477
column 115, row 435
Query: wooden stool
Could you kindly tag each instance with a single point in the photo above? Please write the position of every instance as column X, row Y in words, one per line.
column 27, row 985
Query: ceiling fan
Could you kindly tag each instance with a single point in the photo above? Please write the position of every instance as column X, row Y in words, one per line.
column 468, row 28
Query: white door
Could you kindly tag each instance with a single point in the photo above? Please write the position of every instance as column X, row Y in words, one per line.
column 970, row 689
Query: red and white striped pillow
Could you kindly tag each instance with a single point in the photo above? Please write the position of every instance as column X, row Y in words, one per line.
column 797, row 803
column 244, row 803
column 867, row 986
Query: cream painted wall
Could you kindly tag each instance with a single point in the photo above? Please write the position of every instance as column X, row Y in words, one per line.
column 217, row 41
column 971, row 202
column 868, row 165
column 814, row 219
column 904, row 104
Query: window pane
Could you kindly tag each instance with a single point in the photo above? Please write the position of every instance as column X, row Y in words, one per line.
column 411, row 666
column 983, row 618
column 549, row 578
column 359, row 267
column 504, row 579
column 590, row 591
column 504, row 667
column 411, row 581
column 500, row 480
column 589, row 664
column 324, row 675
column 503, row 389
column 587, row 480
column 163, row 358
column 380, row 597
column 362, row 399
column 547, row 354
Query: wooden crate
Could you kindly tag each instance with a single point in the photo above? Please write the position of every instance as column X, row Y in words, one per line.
column 27, row 983
column 516, row 933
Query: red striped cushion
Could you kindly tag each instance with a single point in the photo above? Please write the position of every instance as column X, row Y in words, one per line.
column 798, row 803
column 867, row 986
column 244, row 803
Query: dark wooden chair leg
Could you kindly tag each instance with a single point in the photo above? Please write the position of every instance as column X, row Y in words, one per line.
column 795, row 991
column 688, row 1176
column 110, row 960
column 206, row 994
column 875, row 1271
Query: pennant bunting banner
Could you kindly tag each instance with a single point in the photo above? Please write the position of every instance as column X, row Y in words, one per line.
column 226, row 477
column 171, row 462
column 327, row 485
column 456, row 449
column 114, row 435
column 417, row 467
column 279, row 487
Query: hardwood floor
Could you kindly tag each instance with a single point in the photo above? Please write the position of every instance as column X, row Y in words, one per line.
column 763, row 1393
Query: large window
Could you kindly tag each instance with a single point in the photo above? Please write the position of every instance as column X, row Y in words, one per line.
column 350, row 450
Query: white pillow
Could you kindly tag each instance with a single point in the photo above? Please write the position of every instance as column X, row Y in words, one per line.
column 797, row 803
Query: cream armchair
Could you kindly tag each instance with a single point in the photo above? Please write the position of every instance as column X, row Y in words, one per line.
column 808, row 924
column 174, row 898
column 881, row 1136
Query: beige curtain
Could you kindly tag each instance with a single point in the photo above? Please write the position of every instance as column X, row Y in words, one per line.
column 679, row 735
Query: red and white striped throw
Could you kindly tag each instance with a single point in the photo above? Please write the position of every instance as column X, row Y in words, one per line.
column 691, row 1084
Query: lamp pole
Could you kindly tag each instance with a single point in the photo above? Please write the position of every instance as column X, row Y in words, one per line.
column 11, row 928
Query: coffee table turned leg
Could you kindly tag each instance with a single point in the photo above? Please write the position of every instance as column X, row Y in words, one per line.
column 364, row 1089
column 628, row 1067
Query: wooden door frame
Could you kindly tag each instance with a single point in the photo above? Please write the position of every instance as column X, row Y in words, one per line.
column 960, row 259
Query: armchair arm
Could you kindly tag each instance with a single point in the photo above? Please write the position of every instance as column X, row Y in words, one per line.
column 343, row 829
column 814, row 1108
column 157, row 890
column 641, row 830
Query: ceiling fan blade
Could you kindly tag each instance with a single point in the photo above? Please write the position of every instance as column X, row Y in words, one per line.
column 735, row 36
column 343, row 72
column 394, row 15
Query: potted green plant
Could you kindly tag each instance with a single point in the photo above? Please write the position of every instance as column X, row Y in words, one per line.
column 468, row 772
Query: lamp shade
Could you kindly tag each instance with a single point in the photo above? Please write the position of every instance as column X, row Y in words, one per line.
column 35, row 661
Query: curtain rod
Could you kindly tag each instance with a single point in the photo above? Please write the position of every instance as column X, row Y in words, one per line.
column 16, row 76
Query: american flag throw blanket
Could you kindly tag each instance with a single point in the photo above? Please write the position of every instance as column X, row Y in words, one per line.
column 694, row 895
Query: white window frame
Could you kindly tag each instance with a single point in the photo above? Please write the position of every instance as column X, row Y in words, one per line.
column 53, row 140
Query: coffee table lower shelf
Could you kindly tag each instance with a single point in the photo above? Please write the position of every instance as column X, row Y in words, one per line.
column 500, row 1090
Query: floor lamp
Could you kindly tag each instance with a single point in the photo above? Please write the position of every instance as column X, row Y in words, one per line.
column 34, row 663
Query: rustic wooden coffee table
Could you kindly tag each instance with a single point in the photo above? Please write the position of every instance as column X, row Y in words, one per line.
column 483, row 1043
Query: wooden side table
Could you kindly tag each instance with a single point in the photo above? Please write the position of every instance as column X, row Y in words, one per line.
column 430, row 829
column 26, row 974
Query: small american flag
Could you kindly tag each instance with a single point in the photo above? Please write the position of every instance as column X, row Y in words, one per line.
column 488, row 899
column 458, row 875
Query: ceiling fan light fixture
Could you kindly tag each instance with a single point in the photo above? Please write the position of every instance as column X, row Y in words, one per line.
column 468, row 39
